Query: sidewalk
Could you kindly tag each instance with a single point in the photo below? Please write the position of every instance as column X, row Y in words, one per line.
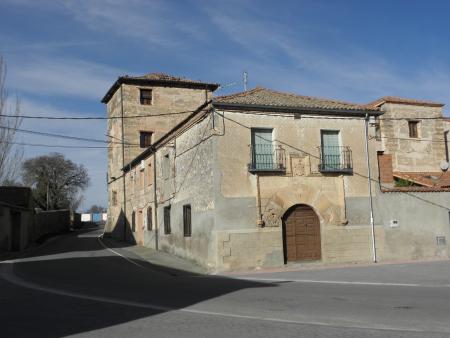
column 158, row 260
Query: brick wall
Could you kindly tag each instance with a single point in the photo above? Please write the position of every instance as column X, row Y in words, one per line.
column 385, row 168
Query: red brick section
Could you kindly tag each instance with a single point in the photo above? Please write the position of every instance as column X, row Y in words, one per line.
column 385, row 167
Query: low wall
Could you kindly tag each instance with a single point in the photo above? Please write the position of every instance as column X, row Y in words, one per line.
column 16, row 227
column 52, row 222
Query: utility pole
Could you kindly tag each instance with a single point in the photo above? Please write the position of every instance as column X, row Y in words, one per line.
column 124, row 219
column 369, row 183
column 47, row 195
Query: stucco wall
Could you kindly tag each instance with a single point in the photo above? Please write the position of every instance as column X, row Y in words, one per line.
column 302, row 183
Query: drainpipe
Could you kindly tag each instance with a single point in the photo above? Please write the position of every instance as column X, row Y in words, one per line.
column 446, row 146
column 369, row 183
column 155, row 201
column 259, row 221
column 124, row 219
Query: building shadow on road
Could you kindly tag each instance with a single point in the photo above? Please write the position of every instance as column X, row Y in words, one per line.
column 72, row 286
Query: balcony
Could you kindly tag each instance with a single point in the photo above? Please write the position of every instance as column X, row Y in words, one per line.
column 267, row 158
column 335, row 160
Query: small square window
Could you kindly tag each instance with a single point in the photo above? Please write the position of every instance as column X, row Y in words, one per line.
column 145, row 139
column 187, row 220
column 413, row 129
column 167, row 229
column 146, row 96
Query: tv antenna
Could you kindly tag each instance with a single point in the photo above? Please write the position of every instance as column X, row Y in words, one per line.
column 245, row 80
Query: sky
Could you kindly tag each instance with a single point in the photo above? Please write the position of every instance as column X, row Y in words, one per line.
column 63, row 55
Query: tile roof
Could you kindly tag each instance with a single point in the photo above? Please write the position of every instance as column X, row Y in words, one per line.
column 157, row 79
column 402, row 100
column 162, row 77
column 267, row 97
column 435, row 180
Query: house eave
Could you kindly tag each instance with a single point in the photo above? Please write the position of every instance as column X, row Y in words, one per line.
column 297, row 110
column 158, row 83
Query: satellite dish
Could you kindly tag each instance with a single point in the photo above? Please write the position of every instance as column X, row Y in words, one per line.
column 444, row 165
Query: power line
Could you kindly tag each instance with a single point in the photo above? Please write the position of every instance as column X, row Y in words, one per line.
column 42, row 117
column 409, row 139
column 34, row 132
column 56, row 146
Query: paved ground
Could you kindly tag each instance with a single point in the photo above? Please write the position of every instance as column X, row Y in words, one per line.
column 74, row 286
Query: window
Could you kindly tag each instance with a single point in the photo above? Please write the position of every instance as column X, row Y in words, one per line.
column 262, row 149
column 187, row 220
column 413, row 129
column 133, row 221
column 149, row 219
column 146, row 96
column 114, row 198
column 167, row 229
column 145, row 139
column 331, row 150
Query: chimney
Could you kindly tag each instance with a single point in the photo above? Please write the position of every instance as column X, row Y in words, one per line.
column 385, row 169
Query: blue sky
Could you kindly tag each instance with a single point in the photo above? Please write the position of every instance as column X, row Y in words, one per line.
column 63, row 55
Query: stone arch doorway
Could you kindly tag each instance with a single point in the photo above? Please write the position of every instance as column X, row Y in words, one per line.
column 301, row 234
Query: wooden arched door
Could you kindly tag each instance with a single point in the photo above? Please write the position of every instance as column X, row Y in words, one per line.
column 301, row 234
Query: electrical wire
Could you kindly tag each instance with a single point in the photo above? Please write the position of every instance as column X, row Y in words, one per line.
column 42, row 117
column 58, row 146
column 34, row 132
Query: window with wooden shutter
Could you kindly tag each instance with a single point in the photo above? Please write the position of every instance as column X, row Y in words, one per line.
column 413, row 129
column 167, row 229
column 146, row 96
column 187, row 224
column 145, row 139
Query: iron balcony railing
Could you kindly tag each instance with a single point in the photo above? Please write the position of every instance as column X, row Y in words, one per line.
column 267, row 157
column 335, row 160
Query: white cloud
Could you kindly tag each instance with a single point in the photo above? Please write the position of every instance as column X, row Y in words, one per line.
column 151, row 22
column 314, row 68
column 60, row 76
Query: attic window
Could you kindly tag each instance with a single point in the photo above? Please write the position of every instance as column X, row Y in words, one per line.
column 145, row 139
column 413, row 129
column 146, row 96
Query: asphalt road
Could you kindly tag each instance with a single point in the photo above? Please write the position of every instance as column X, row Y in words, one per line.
column 74, row 286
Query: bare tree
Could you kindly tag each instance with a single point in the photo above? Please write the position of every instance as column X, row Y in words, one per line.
column 57, row 182
column 11, row 155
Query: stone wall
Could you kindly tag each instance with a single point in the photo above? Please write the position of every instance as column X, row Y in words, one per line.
column 166, row 100
column 52, row 222
column 413, row 154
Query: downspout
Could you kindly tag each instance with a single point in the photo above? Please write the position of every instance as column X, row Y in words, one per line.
column 369, row 183
column 446, row 146
column 155, row 202
column 124, row 219
column 259, row 221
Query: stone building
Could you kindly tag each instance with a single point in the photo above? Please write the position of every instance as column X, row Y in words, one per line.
column 264, row 178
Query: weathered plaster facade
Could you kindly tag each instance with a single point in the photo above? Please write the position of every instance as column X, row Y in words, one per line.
column 238, row 215
column 172, row 101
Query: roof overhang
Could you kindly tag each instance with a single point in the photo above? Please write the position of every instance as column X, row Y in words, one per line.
column 158, row 83
column 297, row 110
